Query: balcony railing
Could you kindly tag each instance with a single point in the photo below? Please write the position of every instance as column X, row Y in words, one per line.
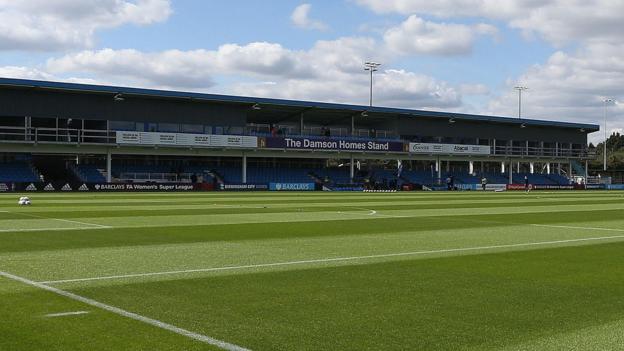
column 32, row 135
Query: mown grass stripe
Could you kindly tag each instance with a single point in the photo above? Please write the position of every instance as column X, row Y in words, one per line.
column 342, row 259
column 154, row 322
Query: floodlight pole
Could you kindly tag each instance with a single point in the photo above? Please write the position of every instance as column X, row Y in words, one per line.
column 520, row 89
column 371, row 67
column 606, row 102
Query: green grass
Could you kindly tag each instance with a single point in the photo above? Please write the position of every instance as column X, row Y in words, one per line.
column 316, row 271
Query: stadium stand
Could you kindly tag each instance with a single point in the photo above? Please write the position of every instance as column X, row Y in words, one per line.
column 18, row 172
column 89, row 173
column 259, row 175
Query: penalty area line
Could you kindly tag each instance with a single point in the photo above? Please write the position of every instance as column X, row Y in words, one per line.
column 335, row 259
column 121, row 312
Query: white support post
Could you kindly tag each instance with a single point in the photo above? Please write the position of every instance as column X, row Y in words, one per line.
column 471, row 167
column 109, row 172
column 548, row 168
column 244, row 174
column 518, row 167
column 448, row 166
column 351, row 169
column 503, row 167
column 439, row 168
column 532, row 167
column 586, row 171
column 510, row 172
column 559, row 168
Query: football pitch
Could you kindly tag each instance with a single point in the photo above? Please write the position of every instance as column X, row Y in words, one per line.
column 313, row 271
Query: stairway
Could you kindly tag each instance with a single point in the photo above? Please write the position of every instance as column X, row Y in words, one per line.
column 55, row 168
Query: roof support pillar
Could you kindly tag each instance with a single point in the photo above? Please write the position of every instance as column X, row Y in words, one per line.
column 351, row 169
column 109, row 170
column 510, row 172
column 244, row 169
column 439, row 169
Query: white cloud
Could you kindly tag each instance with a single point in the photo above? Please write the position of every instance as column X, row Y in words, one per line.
column 46, row 25
column 22, row 72
column 300, row 17
column 571, row 87
column 417, row 36
column 328, row 71
column 195, row 69
column 558, row 21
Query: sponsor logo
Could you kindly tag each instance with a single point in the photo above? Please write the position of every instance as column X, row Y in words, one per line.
column 243, row 187
column 83, row 187
column 31, row 187
column 49, row 187
column 428, row 148
column 66, row 187
column 4, row 187
column 292, row 186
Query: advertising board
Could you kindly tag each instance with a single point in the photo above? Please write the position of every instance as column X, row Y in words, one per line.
column 301, row 143
column 183, row 139
column 243, row 187
column 292, row 186
column 105, row 187
column 448, row 149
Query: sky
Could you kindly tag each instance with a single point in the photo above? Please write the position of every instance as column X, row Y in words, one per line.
column 449, row 55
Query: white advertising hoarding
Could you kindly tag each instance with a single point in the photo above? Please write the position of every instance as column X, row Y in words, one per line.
column 448, row 149
column 182, row 139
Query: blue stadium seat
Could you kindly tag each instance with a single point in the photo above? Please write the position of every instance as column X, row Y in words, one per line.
column 18, row 172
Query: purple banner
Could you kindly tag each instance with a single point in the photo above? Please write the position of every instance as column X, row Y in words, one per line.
column 301, row 143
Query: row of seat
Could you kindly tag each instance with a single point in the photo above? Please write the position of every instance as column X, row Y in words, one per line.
column 340, row 175
column 18, row 172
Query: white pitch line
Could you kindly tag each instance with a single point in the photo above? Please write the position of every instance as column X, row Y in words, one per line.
column 154, row 322
column 371, row 213
column 574, row 227
column 64, row 314
column 334, row 259
column 51, row 229
column 63, row 220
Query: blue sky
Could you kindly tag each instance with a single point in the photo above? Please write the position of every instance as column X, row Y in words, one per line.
column 456, row 55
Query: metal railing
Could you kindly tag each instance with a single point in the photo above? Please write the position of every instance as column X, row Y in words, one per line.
column 521, row 151
column 142, row 177
column 36, row 135
column 56, row 135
